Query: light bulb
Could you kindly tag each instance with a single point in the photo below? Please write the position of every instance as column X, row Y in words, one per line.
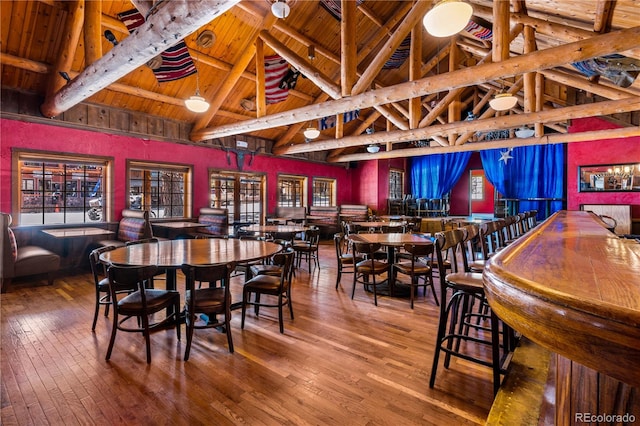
column 447, row 18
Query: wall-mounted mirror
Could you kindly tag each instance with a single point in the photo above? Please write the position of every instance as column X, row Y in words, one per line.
column 610, row 177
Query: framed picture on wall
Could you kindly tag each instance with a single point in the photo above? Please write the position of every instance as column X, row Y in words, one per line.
column 477, row 188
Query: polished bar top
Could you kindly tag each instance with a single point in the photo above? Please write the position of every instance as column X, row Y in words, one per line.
column 573, row 287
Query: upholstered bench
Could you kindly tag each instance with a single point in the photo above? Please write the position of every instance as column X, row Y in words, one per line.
column 133, row 226
column 24, row 261
column 216, row 221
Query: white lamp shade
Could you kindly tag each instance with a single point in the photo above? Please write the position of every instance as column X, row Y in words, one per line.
column 196, row 104
column 524, row 132
column 447, row 18
column 373, row 149
column 503, row 102
column 280, row 9
column 311, row 133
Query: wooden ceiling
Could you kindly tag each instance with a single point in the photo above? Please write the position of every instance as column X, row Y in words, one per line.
column 416, row 109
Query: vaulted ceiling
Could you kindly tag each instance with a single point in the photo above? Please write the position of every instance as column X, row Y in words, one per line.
column 58, row 49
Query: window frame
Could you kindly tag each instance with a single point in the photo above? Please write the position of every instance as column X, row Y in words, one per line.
column 235, row 214
column 391, row 194
column 302, row 180
column 333, row 182
column 28, row 155
column 157, row 166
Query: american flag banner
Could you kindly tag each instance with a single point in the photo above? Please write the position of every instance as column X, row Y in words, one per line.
column 400, row 55
column 330, row 121
column 176, row 61
column 478, row 31
column 275, row 68
column 334, row 7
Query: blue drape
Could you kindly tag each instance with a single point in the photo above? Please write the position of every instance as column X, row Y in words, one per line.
column 535, row 171
column 432, row 176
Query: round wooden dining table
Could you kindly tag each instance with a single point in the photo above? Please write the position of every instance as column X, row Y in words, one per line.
column 170, row 255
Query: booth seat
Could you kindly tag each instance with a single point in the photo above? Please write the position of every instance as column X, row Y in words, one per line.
column 326, row 218
column 24, row 261
column 217, row 221
column 354, row 212
column 293, row 214
column 133, row 226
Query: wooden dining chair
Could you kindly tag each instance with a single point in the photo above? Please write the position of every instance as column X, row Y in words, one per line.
column 278, row 287
column 212, row 301
column 140, row 303
column 416, row 268
column 369, row 267
column 308, row 248
column 346, row 261
column 100, row 281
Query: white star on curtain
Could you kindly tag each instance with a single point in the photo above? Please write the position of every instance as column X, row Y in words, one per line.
column 505, row 156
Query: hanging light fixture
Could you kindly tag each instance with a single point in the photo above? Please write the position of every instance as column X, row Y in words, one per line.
column 503, row 101
column 524, row 132
column 373, row 148
column 311, row 132
column 447, row 18
column 280, row 9
column 197, row 103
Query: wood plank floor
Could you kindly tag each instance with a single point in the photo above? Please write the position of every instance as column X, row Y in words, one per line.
column 341, row 361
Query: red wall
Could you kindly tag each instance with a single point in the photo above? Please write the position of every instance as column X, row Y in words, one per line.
column 371, row 182
column 33, row 136
column 605, row 151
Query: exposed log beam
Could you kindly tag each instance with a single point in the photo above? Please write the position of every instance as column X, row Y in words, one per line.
column 39, row 67
column 415, row 67
column 542, row 59
column 413, row 17
column 562, row 33
column 261, row 94
column 604, row 13
column 583, row 83
column 372, row 44
column 626, row 132
column 64, row 57
column 226, row 86
column 92, row 31
column 309, row 71
column 179, row 17
column 494, row 123
column 349, row 51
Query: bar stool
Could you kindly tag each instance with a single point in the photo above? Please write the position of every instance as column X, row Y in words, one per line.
column 458, row 290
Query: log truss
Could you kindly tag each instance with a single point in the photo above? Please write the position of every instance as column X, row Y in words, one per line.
column 423, row 101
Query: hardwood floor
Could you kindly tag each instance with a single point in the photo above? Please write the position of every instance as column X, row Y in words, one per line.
column 341, row 361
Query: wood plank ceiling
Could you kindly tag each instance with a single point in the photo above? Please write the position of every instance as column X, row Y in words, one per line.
column 415, row 109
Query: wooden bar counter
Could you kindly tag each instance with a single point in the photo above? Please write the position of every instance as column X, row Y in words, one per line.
column 573, row 287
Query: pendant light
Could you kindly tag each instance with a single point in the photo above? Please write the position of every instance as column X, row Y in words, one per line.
column 503, row 101
column 197, row 103
column 280, row 9
column 447, row 18
column 311, row 132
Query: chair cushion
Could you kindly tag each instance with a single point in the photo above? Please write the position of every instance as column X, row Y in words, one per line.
column 378, row 267
column 31, row 260
column 14, row 245
column 273, row 270
column 419, row 268
column 131, row 229
column 156, row 300
column 264, row 284
column 209, row 299
column 107, row 243
column 467, row 281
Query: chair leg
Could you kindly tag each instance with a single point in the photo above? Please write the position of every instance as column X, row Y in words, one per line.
column 190, row 319
column 147, row 336
column 112, row 340
column 495, row 352
column 442, row 324
column 50, row 278
column 245, row 295
column 355, row 279
column 95, row 313
column 280, row 319
column 227, row 324
column 339, row 275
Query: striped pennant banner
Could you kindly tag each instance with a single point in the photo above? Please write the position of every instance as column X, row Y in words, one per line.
column 400, row 55
column 275, row 69
column 176, row 61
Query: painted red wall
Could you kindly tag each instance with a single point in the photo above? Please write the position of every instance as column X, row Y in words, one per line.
column 605, row 151
column 34, row 136
column 486, row 205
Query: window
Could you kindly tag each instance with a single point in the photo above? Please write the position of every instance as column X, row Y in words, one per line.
column 241, row 193
column 162, row 189
column 396, row 184
column 324, row 193
column 57, row 189
column 292, row 191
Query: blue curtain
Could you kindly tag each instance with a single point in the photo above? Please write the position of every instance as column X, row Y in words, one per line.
column 432, row 176
column 535, row 171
